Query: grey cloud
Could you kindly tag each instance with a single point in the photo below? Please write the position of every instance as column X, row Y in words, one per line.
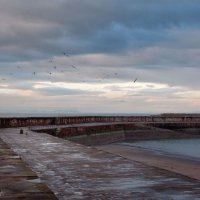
column 42, row 28
column 155, row 41
column 90, row 15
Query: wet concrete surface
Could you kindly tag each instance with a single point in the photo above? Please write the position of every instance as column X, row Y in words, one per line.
column 17, row 180
column 74, row 171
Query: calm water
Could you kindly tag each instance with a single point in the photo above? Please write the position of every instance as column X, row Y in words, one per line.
column 189, row 148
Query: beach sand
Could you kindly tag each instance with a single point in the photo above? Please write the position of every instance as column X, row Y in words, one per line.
column 181, row 166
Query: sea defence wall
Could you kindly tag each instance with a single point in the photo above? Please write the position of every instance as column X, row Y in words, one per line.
column 174, row 125
column 43, row 121
column 105, row 133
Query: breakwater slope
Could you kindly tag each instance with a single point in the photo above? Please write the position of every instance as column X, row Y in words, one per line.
column 105, row 133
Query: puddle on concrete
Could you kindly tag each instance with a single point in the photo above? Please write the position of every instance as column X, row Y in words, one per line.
column 126, row 184
column 86, row 166
column 49, row 143
column 36, row 180
column 14, row 157
column 21, row 150
column 7, row 169
column 82, row 156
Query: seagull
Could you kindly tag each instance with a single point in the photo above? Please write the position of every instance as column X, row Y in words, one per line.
column 65, row 54
column 74, row 67
column 34, row 73
column 135, row 80
column 54, row 67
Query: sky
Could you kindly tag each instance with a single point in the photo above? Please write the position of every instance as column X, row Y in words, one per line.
column 108, row 56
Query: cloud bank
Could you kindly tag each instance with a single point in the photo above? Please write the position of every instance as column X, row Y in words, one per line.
column 88, row 53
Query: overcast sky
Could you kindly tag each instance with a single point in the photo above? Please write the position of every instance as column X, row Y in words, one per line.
column 78, row 56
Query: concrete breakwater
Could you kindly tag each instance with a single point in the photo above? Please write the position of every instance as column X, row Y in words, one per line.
column 74, row 171
column 44, row 121
column 94, row 130
column 105, row 133
column 17, row 180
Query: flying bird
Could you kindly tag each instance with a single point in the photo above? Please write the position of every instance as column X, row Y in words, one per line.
column 65, row 54
column 74, row 66
column 135, row 80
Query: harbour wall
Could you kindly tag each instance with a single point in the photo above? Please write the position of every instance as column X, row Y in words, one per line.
column 44, row 121
column 109, row 133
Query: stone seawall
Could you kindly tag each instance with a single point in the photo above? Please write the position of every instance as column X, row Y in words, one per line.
column 43, row 121
column 109, row 133
column 99, row 138
column 174, row 125
column 133, row 135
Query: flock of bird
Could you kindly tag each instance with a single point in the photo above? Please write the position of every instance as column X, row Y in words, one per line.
column 55, row 68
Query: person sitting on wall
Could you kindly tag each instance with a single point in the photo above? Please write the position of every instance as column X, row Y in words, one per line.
column 21, row 131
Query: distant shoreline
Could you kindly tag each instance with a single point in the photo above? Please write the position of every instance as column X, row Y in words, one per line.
column 13, row 115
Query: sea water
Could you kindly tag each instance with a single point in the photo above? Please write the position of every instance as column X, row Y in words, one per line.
column 187, row 148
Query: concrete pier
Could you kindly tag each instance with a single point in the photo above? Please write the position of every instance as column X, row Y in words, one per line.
column 17, row 180
column 74, row 171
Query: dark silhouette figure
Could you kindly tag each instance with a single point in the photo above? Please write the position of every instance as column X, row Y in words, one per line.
column 21, row 131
